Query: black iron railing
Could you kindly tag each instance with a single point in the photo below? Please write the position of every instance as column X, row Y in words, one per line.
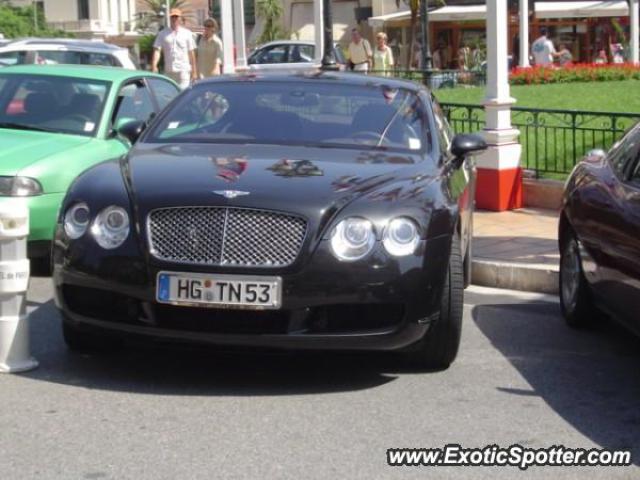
column 438, row 78
column 552, row 140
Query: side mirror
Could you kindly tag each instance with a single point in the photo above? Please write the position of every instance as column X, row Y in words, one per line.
column 131, row 130
column 463, row 144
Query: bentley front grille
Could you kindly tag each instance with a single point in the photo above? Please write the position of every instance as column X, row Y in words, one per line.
column 225, row 236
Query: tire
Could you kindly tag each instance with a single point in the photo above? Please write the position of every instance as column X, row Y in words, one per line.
column 439, row 347
column 82, row 341
column 575, row 297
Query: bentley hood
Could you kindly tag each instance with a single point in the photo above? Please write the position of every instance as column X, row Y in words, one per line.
column 307, row 181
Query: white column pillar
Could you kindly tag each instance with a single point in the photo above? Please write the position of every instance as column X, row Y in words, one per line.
column 635, row 31
column 499, row 177
column 524, row 33
column 241, row 48
column 498, row 93
column 319, row 27
column 226, row 20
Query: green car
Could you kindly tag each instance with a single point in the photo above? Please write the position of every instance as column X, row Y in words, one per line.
column 58, row 120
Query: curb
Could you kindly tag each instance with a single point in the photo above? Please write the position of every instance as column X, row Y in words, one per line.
column 515, row 276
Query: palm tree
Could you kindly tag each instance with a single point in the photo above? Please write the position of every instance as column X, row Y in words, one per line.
column 155, row 11
column 414, row 7
column 270, row 11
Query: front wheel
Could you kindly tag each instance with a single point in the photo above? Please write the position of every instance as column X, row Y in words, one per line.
column 439, row 347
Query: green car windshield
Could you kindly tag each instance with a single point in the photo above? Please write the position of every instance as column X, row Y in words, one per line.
column 52, row 103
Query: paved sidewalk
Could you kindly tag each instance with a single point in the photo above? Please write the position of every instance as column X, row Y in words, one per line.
column 516, row 249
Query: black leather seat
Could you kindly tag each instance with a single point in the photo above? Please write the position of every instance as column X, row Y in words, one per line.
column 86, row 104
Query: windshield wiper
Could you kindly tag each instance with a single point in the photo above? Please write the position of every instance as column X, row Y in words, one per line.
column 21, row 126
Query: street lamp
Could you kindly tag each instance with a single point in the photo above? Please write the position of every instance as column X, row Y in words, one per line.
column 35, row 16
column 167, row 9
column 427, row 63
column 328, row 59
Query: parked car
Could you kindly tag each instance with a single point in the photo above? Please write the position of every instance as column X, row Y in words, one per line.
column 599, row 232
column 57, row 121
column 46, row 51
column 284, row 53
column 319, row 211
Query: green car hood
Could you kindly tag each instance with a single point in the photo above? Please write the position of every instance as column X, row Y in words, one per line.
column 21, row 148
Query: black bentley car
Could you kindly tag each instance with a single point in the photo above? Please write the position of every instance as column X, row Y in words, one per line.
column 311, row 211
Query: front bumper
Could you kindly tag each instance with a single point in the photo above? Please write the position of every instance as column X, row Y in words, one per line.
column 378, row 303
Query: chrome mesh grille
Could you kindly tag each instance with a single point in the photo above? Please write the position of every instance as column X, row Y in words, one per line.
column 225, row 236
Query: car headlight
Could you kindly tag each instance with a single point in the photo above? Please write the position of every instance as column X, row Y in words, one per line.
column 401, row 237
column 352, row 239
column 76, row 221
column 19, row 187
column 111, row 227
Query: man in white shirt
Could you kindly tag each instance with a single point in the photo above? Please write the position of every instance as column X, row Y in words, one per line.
column 543, row 50
column 178, row 48
column 360, row 54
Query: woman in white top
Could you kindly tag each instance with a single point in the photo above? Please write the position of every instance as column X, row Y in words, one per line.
column 382, row 56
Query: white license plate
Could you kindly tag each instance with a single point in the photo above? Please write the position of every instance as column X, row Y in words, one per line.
column 240, row 291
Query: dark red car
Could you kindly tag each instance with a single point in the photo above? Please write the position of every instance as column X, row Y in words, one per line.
column 599, row 236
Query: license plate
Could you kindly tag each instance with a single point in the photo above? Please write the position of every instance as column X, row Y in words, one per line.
column 238, row 291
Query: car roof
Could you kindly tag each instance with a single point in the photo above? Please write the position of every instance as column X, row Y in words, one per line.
column 110, row 74
column 314, row 74
column 64, row 42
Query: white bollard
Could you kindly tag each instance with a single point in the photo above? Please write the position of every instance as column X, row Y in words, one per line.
column 14, row 281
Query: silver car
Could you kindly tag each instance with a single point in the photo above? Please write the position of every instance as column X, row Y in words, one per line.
column 285, row 54
column 65, row 51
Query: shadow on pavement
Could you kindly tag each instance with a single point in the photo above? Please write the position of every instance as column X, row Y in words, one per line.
column 170, row 370
column 589, row 377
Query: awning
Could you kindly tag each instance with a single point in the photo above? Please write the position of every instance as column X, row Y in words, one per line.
column 442, row 14
column 615, row 8
column 463, row 12
column 587, row 9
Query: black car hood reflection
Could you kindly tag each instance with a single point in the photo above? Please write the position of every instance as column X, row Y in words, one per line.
column 303, row 180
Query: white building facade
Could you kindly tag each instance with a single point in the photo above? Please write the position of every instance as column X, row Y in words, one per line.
column 92, row 19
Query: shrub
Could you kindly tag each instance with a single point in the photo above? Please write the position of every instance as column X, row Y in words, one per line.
column 579, row 72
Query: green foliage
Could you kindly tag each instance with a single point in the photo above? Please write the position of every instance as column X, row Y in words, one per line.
column 17, row 22
column 154, row 16
column 270, row 11
column 146, row 44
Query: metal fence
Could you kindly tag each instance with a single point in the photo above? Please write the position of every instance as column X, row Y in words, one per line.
column 439, row 78
column 552, row 140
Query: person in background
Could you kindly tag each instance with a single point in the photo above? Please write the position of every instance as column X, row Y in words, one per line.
column 176, row 45
column 382, row 56
column 543, row 50
column 464, row 58
column 564, row 56
column 360, row 54
column 476, row 57
column 417, row 59
column 209, row 50
column 617, row 53
column 601, row 58
column 439, row 57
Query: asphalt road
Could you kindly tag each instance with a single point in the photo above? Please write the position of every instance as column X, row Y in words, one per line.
column 148, row 413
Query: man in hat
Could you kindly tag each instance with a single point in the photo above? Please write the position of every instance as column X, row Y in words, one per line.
column 178, row 48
